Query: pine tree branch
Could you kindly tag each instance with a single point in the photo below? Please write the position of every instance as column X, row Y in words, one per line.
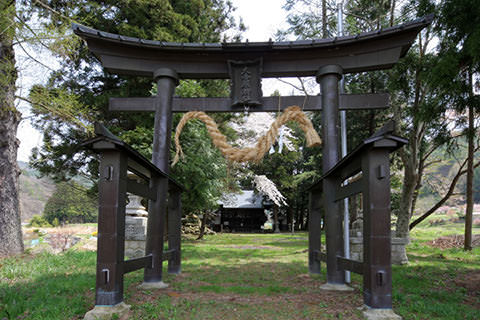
column 45, row 6
column 25, row 24
column 8, row 27
column 30, row 56
column 65, row 115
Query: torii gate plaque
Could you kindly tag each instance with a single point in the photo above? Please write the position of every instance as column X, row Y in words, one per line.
column 245, row 64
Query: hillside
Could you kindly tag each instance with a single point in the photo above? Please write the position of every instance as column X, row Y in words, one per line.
column 34, row 192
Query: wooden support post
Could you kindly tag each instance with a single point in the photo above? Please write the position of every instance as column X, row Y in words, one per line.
column 377, row 275
column 314, row 230
column 111, row 228
column 174, row 231
column 328, row 77
column 166, row 81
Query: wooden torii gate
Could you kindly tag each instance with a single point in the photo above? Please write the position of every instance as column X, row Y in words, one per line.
column 245, row 64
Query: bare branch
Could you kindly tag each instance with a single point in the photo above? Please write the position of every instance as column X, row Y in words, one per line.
column 428, row 164
column 293, row 85
column 360, row 18
column 429, row 152
column 449, row 193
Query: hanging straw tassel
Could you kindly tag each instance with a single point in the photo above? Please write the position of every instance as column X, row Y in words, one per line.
column 293, row 113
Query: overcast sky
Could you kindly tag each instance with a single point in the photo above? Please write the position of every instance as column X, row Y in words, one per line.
column 262, row 18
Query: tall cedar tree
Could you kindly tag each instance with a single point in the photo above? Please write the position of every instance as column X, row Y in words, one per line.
column 10, row 227
column 78, row 93
column 459, row 60
column 415, row 102
column 309, row 19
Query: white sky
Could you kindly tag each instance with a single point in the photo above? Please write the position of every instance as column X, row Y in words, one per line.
column 30, row 73
column 262, row 18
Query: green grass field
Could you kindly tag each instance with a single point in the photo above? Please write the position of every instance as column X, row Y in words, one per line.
column 245, row 276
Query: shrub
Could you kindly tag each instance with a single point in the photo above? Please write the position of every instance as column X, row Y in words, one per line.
column 39, row 222
column 70, row 202
column 55, row 222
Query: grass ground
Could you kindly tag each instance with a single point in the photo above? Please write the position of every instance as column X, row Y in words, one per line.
column 246, row 276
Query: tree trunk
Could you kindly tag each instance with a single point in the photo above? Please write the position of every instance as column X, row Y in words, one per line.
column 301, row 215
column 276, row 228
column 291, row 213
column 10, row 226
column 405, row 208
column 392, row 12
column 470, row 160
column 324, row 19
column 307, row 217
column 203, row 225
column 418, row 185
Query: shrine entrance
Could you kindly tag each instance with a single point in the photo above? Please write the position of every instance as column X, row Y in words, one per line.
column 245, row 64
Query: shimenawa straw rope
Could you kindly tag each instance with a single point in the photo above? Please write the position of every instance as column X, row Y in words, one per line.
column 292, row 113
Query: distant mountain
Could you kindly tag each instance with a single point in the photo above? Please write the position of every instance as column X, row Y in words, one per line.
column 34, row 191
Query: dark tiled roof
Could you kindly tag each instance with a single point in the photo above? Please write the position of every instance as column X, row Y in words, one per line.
column 244, row 199
column 86, row 32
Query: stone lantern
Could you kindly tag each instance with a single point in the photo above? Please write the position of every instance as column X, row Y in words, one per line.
column 399, row 254
column 136, row 218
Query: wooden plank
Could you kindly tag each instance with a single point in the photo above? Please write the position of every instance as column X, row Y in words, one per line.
column 314, row 230
column 167, row 254
column 350, row 168
column 269, row 104
column 377, row 278
column 174, row 226
column 136, row 264
column 141, row 189
column 320, row 256
column 342, row 170
column 348, row 190
column 112, row 188
column 350, row 265
column 157, row 210
column 136, row 162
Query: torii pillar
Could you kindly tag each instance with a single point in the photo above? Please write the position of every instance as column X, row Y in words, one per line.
column 328, row 77
column 167, row 80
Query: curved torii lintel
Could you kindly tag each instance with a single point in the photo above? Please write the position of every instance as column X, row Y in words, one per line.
column 374, row 50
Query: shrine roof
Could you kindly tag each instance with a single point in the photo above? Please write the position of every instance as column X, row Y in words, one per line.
column 383, row 138
column 241, row 200
column 373, row 50
column 90, row 33
column 137, row 163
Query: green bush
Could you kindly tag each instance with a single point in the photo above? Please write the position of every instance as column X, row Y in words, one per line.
column 39, row 222
column 55, row 222
column 70, row 203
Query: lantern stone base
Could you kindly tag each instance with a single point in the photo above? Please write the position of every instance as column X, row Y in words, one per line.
column 118, row 311
column 153, row 285
column 380, row 314
column 335, row 287
column 134, row 249
column 399, row 253
column 135, row 236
